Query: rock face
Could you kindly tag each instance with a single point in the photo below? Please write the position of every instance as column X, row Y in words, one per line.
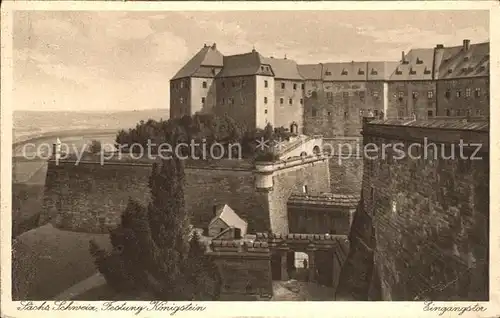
column 421, row 230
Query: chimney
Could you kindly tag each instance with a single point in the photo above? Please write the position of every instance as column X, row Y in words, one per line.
column 403, row 57
column 466, row 45
column 214, row 46
column 204, row 45
column 285, row 56
column 214, row 210
column 440, row 46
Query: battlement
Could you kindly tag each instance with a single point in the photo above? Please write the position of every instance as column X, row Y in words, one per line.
column 297, row 237
column 240, row 248
column 326, row 199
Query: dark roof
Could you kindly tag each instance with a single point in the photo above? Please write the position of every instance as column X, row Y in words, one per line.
column 244, row 65
column 325, row 199
column 458, row 124
column 345, row 71
column 380, row 70
column 208, row 57
column 311, row 71
column 283, row 68
column 456, row 62
column 418, row 65
column 348, row 71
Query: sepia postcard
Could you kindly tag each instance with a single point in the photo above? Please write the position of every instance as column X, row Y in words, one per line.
column 260, row 159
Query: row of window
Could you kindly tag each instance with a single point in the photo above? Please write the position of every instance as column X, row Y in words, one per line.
column 401, row 94
column 361, row 94
column 468, row 92
column 362, row 112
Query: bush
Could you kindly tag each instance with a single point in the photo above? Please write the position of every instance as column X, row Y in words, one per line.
column 266, row 157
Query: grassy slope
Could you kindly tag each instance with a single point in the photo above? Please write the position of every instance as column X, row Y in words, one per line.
column 46, row 261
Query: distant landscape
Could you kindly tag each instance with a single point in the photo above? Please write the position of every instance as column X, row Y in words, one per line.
column 29, row 124
column 72, row 127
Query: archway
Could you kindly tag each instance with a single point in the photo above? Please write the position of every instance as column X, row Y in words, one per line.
column 303, row 154
column 316, row 150
column 294, row 128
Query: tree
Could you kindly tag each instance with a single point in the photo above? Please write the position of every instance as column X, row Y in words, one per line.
column 201, row 274
column 150, row 246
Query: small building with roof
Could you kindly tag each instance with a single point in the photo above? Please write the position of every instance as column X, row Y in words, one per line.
column 226, row 224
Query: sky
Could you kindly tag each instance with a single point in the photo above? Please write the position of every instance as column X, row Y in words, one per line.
column 111, row 60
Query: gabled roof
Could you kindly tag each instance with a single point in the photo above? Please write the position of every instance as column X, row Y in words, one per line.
column 380, row 70
column 203, row 61
column 244, row 65
column 228, row 216
column 417, row 65
column 283, row 68
column 458, row 62
column 345, row 71
column 311, row 71
column 348, row 71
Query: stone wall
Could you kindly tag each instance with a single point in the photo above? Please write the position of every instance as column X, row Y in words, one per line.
column 411, row 97
column 315, row 176
column 474, row 97
column 180, row 98
column 245, row 271
column 90, row 197
column 430, row 217
column 336, row 108
column 288, row 104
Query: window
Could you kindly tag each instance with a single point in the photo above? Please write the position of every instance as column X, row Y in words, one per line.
column 328, row 73
column 448, row 113
column 447, row 94
column 182, row 84
column 467, row 92
column 303, row 86
column 182, row 100
column 375, row 93
column 477, row 92
column 232, row 101
column 314, row 112
column 459, row 93
column 265, row 111
column 346, row 115
column 223, row 100
column 401, row 94
column 243, row 82
column 301, row 101
column 430, row 113
column 478, row 112
column 203, row 100
column 345, row 94
column 265, row 84
column 361, row 111
column 362, row 95
column 304, row 189
column 204, row 84
column 329, row 113
column 294, row 86
column 233, row 83
column 265, row 100
column 282, row 85
column 290, row 101
column 414, row 95
column 281, row 100
column 223, row 84
column 430, row 94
